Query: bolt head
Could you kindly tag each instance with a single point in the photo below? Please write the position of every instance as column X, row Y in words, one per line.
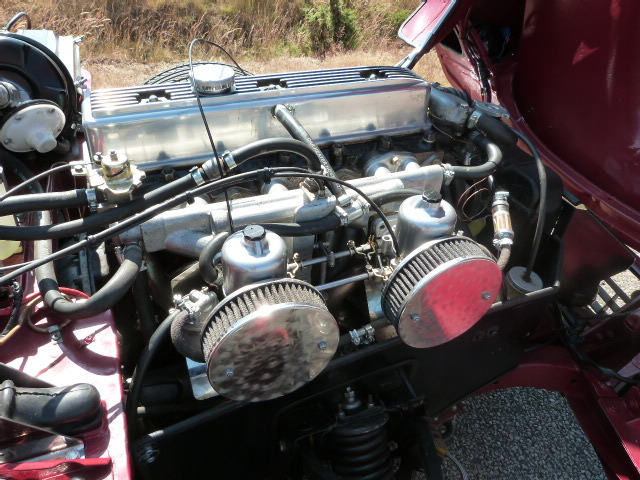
column 7, row 141
column 322, row 345
column 486, row 296
column 415, row 317
column 18, row 118
column 228, row 372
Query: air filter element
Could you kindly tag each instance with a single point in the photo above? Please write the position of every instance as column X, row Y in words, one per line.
column 440, row 290
column 268, row 339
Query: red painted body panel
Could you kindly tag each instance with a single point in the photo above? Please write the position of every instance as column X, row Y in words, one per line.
column 573, row 86
column 89, row 354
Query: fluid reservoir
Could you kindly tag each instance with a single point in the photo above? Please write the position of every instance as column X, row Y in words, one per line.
column 423, row 218
column 252, row 255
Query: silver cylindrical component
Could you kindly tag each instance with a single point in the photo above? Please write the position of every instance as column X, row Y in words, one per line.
column 213, row 79
column 267, row 340
column 117, row 172
column 423, row 218
column 502, row 229
column 252, row 255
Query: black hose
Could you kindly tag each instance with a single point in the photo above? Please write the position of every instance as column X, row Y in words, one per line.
column 156, row 340
column 381, row 198
column 20, row 170
column 297, row 131
column 36, row 202
column 376, row 208
column 494, row 158
column 102, row 300
column 35, row 178
column 88, row 224
column 542, row 204
column 276, row 145
column 304, row 229
column 125, row 225
column 144, row 304
column 205, row 261
column 190, row 423
column 496, row 130
column 148, row 200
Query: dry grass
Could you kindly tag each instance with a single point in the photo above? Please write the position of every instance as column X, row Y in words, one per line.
column 155, row 30
column 128, row 41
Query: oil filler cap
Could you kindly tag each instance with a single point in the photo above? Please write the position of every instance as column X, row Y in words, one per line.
column 213, row 79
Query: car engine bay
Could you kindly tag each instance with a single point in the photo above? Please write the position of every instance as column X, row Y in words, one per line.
column 294, row 275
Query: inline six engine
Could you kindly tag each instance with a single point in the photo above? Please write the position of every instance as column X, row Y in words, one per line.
column 320, row 243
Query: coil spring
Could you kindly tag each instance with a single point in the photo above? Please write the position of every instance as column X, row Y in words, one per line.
column 360, row 451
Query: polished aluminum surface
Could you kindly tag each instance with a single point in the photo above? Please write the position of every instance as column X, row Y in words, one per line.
column 273, row 351
column 186, row 230
column 246, row 261
column 213, row 79
column 449, row 301
column 420, row 222
column 339, row 105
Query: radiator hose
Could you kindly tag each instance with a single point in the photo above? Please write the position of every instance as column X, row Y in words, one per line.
column 102, row 300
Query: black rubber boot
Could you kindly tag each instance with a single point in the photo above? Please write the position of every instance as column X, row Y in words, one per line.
column 64, row 410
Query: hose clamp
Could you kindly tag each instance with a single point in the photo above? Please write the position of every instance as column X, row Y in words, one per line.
column 92, row 199
column 474, row 118
column 228, row 160
column 448, row 174
column 196, row 174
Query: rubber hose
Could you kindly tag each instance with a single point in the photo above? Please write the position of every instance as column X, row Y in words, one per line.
column 381, row 198
column 277, row 145
column 205, row 261
column 84, row 225
column 494, row 158
column 20, row 170
column 102, row 300
column 304, row 229
column 503, row 256
column 43, row 201
column 497, row 130
column 156, row 340
column 144, row 304
column 297, row 131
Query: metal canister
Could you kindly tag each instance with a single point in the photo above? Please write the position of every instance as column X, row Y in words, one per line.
column 423, row 218
column 252, row 255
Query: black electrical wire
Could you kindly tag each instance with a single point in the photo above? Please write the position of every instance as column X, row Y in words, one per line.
column 204, row 117
column 83, row 225
column 576, row 326
column 542, row 204
column 373, row 205
column 129, row 223
column 14, row 21
column 133, row 398
column 19, row 169
column 35, row 178
column 17, row 304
